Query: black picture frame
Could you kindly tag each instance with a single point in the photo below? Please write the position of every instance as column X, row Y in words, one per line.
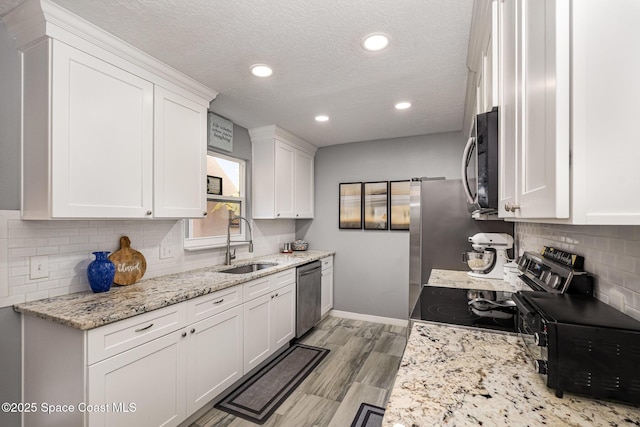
column 350, row 206
column 399, row 204
column 214, row 185
column 375, row 210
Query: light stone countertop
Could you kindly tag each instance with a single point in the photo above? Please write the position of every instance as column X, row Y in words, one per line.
column 88, row 310
column 458, row 377
column 461, row 280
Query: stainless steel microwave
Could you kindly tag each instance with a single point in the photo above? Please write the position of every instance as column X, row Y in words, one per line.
column 480, row 165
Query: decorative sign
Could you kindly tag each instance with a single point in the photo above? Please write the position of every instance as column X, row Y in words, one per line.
column 130, row 264
column 220, row 133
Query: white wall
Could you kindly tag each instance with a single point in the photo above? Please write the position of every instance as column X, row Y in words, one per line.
column 371, row 268
column 611, row 254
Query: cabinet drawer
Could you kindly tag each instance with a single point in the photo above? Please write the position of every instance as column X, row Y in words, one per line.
column 283, row 278
column 256, row 288
column 214, row 303
column 327, row 262
column 115, row 338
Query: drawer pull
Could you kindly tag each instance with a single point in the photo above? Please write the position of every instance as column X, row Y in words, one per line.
column 219, row 301
column 193, row 330
column 145, row 328
column 184, row 334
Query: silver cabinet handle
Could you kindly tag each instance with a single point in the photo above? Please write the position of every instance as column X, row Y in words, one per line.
column 149, row 212
column 509, row 207
column 219, row 301
column 145, row 328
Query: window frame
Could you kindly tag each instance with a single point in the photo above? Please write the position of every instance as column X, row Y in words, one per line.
column 199, row 243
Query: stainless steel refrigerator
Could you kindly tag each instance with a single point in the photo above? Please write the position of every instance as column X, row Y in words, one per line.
column 439, row 228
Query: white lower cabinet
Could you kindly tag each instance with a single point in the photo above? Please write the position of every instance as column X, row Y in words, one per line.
column 160, row 367
column 144, row 386
column 214, row 356
column 269, row 324
column 326, row 293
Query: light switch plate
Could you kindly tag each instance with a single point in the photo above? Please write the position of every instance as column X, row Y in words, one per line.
column 38, row 267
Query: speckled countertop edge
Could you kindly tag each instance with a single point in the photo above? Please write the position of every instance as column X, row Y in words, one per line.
column 88, row 310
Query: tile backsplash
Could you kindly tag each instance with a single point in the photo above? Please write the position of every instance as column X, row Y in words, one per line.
column 611, row 253
column 68, row 247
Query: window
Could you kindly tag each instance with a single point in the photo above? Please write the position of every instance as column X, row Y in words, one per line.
column 221, row 208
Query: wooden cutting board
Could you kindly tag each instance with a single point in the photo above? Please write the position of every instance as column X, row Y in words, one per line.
column 130, row 264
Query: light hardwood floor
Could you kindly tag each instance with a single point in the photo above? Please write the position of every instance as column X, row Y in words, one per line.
column 360, row 367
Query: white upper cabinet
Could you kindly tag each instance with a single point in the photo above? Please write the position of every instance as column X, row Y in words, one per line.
column 180, row 156
column 282, row 174
column 108, row 132
column 567, row 107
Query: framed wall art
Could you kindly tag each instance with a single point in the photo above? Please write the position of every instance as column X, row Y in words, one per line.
column 214, row 185
column 350, row 210
column 399, row 194
column 219, row 133
column 375, row 205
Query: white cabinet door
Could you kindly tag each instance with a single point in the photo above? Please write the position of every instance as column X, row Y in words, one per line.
column 509, row 110
column 605, row 152
column 180, row 148
column 284, row 180
column 150, row 377
column 257, row 331
column 283, row 316
column 101, row 138
column 326, row 296
column 534, row 111
column 543, row 155
column 215, row 356
column 303, row 184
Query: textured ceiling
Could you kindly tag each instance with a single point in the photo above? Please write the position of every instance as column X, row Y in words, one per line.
column 314, row 49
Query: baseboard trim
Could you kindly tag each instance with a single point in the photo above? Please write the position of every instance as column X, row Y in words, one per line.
column 369, row 318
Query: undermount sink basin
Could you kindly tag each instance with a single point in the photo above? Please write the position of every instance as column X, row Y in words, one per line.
column 249, row 268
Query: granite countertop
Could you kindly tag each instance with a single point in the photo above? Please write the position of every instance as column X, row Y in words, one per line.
column 457, row 376
column 461, row 280
column 88, row 310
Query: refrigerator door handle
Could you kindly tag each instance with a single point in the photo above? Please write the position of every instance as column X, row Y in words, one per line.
column 466, row 157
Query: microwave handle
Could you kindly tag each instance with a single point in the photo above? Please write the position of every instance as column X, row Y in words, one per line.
column 465, row 162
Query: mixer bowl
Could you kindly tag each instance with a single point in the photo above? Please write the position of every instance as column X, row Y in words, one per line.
column 480, row 261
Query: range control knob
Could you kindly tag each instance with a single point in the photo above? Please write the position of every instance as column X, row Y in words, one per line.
column 553, row 281
column 540, row 338
column 541, row 366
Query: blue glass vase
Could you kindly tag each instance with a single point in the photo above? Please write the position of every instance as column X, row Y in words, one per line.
column 101, row 272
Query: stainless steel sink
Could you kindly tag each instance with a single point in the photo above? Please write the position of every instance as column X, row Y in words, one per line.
column 249, row 268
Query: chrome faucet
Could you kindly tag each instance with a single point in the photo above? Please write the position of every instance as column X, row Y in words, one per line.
column 228, row 256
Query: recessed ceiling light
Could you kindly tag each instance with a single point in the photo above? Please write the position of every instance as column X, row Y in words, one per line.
column 375, row 42
column 261, row 70
column 322, row 118
column 403, row 105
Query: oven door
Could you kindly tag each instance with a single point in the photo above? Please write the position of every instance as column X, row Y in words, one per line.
column 531, row 329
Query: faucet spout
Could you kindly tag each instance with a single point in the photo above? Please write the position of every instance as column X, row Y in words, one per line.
column 228, row 255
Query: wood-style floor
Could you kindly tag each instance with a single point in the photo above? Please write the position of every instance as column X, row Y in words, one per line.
column 361, row 367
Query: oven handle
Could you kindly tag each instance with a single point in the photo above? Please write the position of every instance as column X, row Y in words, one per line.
column 506, row 303
column 523, row 307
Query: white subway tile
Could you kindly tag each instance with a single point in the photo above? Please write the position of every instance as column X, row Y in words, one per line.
column 47, row 250
column 34, row 296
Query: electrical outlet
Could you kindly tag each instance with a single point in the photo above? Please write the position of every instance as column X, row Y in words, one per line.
column 166, row 251
column 38, row 267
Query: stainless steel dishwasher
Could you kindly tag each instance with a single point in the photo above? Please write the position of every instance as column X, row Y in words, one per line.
column 308, row 282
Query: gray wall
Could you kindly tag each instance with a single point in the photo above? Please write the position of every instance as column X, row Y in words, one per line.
column 9, row 123
column 10, row 356
column 371, row 268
